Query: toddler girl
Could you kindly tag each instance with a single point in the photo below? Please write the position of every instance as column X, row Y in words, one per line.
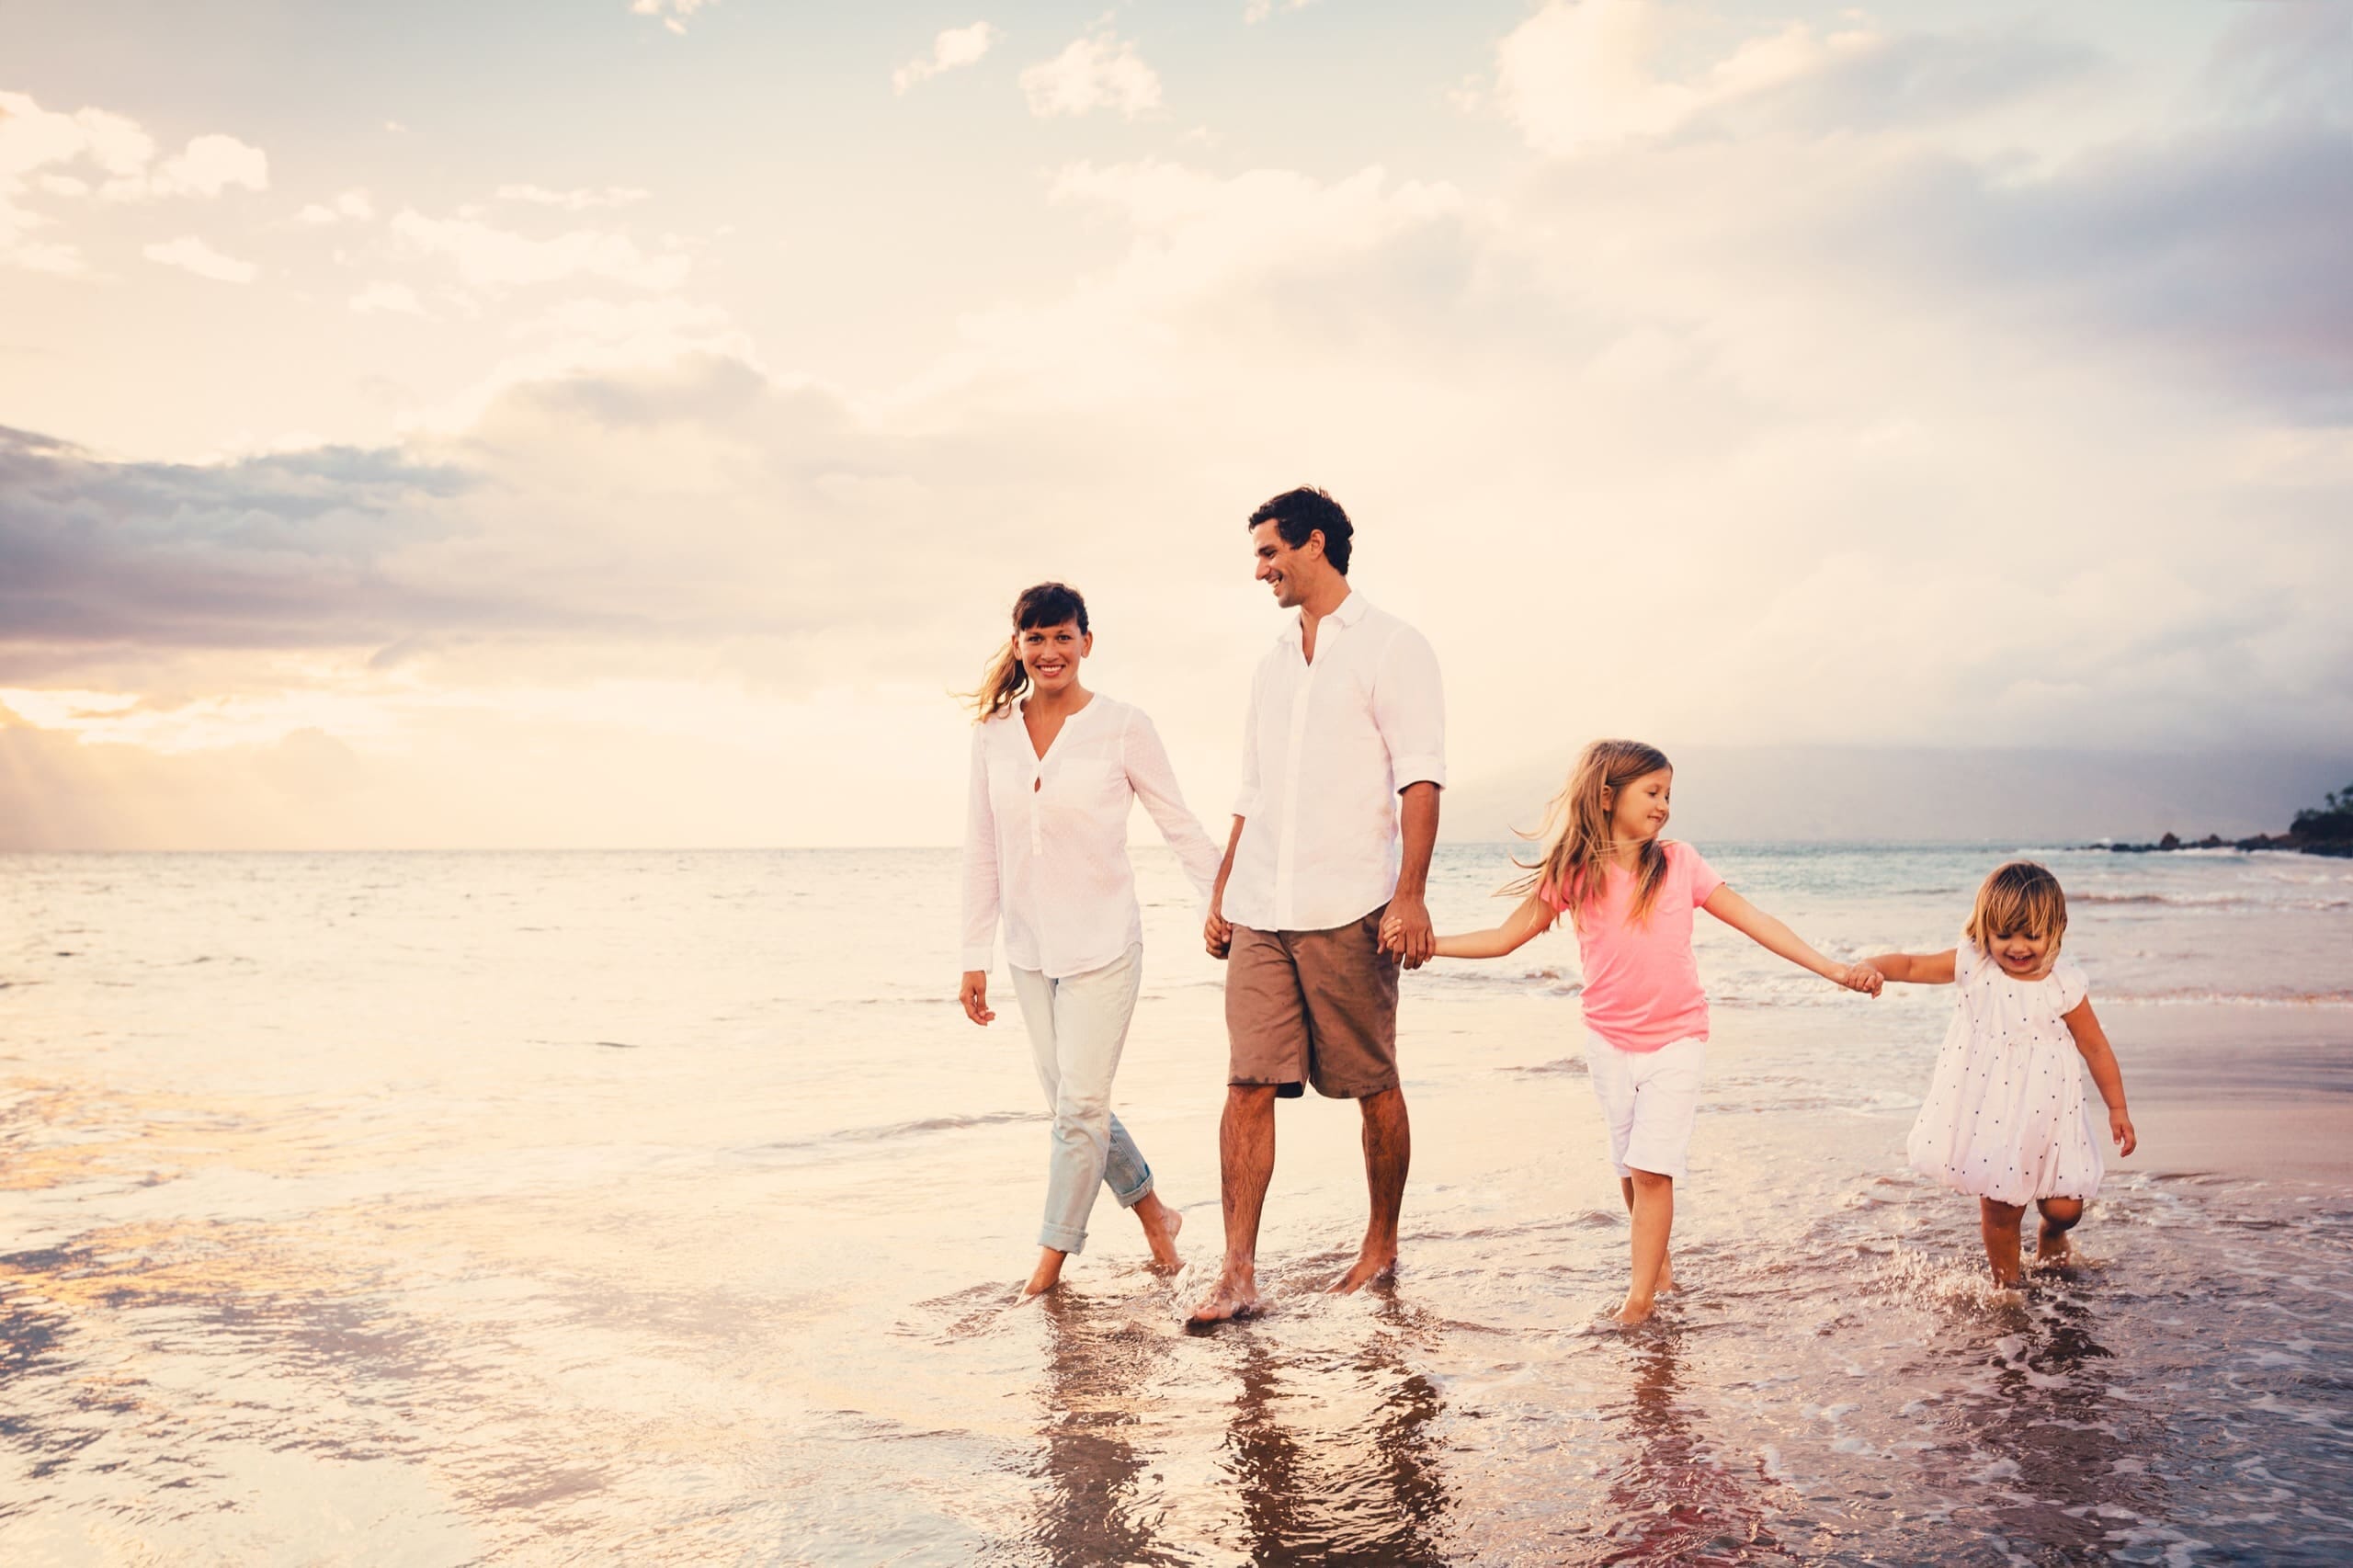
column 2006, row 1116
column 1630, row 893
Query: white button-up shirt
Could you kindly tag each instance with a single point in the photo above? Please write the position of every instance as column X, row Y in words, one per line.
column 1046, row 838
column 1326, row 749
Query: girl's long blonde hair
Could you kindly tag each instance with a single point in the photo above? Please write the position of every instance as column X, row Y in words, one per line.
column 1047, row 603
column 1575, row 865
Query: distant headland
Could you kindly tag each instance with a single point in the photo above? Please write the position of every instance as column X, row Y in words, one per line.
column 2324, row 829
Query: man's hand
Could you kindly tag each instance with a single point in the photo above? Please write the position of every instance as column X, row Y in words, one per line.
column 975, row 995
column 1217, row 931
column 1405, row 930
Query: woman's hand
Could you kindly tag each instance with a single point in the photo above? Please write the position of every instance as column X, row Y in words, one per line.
column 2119, row 1127
column 975, row 995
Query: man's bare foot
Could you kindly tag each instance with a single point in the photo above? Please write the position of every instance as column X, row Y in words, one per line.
column 1047, row 1275
column 1370, row 1267
column 1233, row 1296
column 1160, row 1224
column 1632, row 1313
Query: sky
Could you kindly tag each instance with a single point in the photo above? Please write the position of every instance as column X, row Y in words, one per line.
column 629, row 422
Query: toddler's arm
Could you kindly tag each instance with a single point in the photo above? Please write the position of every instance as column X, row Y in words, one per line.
column 1533, row 915
column 1776, row 938
column 1919, row 968
column 2092, row 1040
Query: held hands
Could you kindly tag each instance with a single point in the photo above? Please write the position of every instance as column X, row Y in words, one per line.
column 2119, row 1127
column 1860, row 977
column 974, row 996
column 1405, row 930
column 1217, row 931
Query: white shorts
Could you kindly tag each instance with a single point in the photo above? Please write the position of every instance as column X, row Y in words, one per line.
column 1648, row 1098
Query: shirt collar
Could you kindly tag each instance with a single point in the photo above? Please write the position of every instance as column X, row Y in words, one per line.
column 1351, row 610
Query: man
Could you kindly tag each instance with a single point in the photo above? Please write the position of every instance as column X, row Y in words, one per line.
column 1344, row 753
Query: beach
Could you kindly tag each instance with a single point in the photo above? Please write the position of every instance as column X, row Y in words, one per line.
column 426, row 1209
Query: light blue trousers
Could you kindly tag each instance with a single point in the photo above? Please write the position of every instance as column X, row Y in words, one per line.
column 1078, row 1024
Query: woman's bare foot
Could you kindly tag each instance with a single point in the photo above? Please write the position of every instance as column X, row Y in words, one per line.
column 1632, row 1313
column 1160, row 1224
column 1235, row 1295
column 1047, row 1275
column 1666, row 1278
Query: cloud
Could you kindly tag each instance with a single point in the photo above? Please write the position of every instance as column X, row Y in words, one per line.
column 35, row 142
column 191, row 254
column 1097, row 72
column 499, row 259
column 1257, row 11
column 352, row 206
column 209, row 166
column 580, row 200
column 1581, row 73
column 952, row 51
column 394, row 298
column 672, row 12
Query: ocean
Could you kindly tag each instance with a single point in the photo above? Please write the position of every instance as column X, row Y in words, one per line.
column 663, row 1207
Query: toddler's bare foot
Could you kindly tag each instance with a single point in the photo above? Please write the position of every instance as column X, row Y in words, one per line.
column 1235, row 1295
column 1160, row 1224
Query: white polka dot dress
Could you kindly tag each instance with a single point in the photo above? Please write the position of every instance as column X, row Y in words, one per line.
column 2007, row 1116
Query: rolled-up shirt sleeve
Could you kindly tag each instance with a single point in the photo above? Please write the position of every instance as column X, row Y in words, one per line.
column 1409, row 708
column 1247, row 798
column 981, row 892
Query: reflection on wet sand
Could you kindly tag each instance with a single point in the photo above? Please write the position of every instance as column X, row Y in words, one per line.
column 1369, row 1491
column 1671, row 1500
column 1096, row 1506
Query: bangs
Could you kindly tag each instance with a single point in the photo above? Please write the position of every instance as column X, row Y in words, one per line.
column 2020, row 899
column 1049, row 604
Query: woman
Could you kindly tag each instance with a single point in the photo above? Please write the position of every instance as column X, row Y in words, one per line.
column 1055, row 770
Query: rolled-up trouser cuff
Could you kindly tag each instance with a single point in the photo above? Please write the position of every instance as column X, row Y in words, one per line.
column 1062, row 1238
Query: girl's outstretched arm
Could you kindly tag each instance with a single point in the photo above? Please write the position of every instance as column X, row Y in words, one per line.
column 2092, row 1040
column 1533, row 915
column 1920, row 968
column 1775, row 938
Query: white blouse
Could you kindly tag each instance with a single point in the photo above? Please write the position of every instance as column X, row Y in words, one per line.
column 1046, row 838
column 1325, row 751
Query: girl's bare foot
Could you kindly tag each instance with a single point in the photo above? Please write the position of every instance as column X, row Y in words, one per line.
column 1160, row 1224
column 1047, row 1275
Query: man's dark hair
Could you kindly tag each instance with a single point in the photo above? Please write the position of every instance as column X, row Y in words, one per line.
column 1306, row 510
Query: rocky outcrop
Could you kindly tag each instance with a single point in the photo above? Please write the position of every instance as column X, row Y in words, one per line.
column 2317, row 830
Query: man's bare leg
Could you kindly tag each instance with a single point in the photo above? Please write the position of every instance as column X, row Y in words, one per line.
column 1160, row 1224
column 1246, row 1147
column 1665, row 1263
column 1388, row 1151
column 1653, row 1217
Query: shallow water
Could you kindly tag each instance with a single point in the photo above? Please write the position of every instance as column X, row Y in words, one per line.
column 661, row 1208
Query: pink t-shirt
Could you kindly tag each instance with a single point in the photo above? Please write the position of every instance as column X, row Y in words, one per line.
column 1641, row 983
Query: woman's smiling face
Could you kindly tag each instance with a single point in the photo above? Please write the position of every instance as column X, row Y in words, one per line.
column 1051, row 654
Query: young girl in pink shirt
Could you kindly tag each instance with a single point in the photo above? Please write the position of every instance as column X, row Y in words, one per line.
column 1628, row 894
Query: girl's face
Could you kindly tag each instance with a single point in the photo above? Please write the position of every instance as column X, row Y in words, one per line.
column 1637, row 809
column 2018, row 953
column 1051, row 654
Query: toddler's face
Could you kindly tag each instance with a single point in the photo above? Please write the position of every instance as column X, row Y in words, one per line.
column 2019, row 953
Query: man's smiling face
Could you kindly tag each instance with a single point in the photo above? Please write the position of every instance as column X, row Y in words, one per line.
column 1281, row 565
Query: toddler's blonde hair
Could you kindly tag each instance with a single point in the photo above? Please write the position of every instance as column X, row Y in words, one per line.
column 2020, row 896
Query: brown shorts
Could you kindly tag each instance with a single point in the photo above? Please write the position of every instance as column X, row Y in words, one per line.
column 1313, row 1007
